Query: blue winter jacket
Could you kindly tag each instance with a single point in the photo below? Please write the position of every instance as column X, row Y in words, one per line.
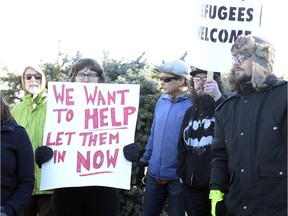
column 161, row 149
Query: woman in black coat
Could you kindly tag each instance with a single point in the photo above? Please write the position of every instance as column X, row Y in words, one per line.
column 17, row 164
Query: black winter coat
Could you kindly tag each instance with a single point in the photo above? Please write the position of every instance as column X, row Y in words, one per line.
column 250, row 151
column 17, row 168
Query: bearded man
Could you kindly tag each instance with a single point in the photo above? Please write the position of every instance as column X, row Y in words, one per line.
column 194, row 145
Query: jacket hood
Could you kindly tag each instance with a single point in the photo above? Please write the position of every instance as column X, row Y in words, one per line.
column 37, row 69
column 263, row 55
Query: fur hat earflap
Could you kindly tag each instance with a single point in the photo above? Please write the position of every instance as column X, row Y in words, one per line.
column 263, row 55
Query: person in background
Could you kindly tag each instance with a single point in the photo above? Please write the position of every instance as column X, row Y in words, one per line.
column 89, row 200
column 195, row 139
column 161, row 150
column 31, row 114
column 17, row 164
column 249, row 166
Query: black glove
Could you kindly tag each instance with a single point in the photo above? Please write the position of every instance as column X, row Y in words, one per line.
column 140, row 174
column 220, row 208
column 131, row 152
column 42, row 155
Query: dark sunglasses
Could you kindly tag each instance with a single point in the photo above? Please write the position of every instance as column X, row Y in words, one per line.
column 168, row 79
column 36, row 76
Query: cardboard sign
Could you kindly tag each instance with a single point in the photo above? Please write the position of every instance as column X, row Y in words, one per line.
column 87, row 126
column 215, row 25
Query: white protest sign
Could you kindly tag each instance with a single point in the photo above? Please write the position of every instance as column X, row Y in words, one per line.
column 215, row 26
column 87, row 126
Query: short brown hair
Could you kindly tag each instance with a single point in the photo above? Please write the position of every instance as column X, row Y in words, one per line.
column 86, row 63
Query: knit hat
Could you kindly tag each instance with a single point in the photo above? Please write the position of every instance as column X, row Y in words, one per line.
column 38, row 70
column 176, row 67
column 263, row 55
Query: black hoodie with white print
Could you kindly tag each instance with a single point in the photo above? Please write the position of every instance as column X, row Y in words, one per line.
column 194, row 146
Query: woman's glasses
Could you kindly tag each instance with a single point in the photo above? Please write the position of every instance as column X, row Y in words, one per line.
column 36, row 76
column 88, row 75
column 168, row 79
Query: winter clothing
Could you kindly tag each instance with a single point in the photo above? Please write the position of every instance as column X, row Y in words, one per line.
column 217, row 203
column 176, row 67
column 195, row 139
column 92, row 200
column 263, row 55
column 216, row 75
column 250, row 150
column 131, row 152
column 161, row 149
column 17, row 168
column 31, row 114
column 161, row 154
column 43, row 154
column 38, row 70
column 194, row 156
column 140, row 174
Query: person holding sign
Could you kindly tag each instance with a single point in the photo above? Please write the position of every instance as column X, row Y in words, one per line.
column 31, row 114
column 86, row 200
column 17, row 164
column 161, row 149
column 249, row 167
column 195, row 139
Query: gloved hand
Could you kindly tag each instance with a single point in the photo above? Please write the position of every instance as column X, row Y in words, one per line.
column 42, row 155
column 217, row 203
column 131, row 152
column 140, row 174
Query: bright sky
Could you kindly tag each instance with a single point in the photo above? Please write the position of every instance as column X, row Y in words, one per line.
column 31, row 29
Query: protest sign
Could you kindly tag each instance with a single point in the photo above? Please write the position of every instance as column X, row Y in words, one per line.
column 215, row 26
column 87, row 126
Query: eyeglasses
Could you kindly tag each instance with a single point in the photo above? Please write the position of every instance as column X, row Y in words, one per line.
column 240, row 58
column 168, row 79
column 36, row 76
column 88, row 75
column 199, row 79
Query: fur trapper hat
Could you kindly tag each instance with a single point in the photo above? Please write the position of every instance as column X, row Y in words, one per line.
column 263, row 55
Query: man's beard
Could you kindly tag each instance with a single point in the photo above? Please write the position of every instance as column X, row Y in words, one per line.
column 244, row 78
column 201, row 101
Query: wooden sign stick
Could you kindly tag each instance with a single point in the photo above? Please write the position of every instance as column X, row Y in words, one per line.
column 210, row 75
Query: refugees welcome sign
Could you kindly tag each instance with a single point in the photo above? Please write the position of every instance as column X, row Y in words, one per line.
column 87, row 126
column 215, row 26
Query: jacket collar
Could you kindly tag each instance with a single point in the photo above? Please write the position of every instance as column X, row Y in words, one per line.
column 9, row 125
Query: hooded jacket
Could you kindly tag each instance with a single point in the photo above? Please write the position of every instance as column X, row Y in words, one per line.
column 250, row 150
column 31, row 114
column 161, row 149
column 17, row 167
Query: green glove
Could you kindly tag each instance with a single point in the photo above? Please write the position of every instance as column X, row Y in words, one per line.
column 215, row 196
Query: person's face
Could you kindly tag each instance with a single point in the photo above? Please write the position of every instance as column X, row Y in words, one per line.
column 87, row 76
column 33, row 81
column 242, row 66
column 199, row 81
column 171, row 84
